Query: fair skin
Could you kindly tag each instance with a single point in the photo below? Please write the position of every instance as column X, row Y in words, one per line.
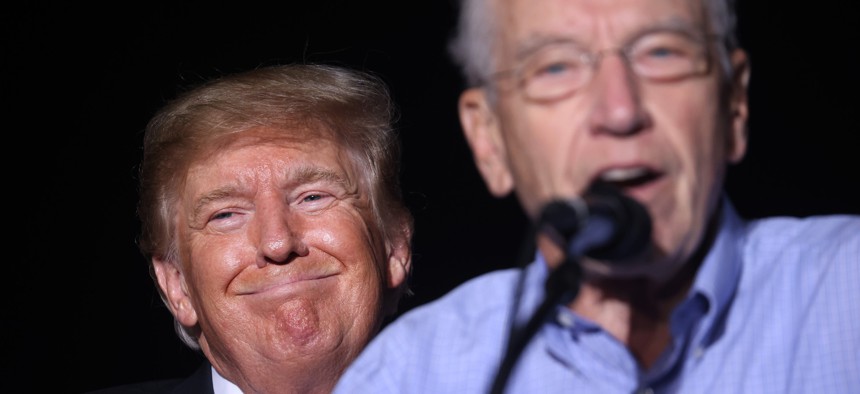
column 283, row 268
column 680, row 134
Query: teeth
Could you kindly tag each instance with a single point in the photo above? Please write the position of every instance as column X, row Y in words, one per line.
column 623, row 174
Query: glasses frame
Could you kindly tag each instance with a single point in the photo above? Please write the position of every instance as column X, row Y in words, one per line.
column 592, row 60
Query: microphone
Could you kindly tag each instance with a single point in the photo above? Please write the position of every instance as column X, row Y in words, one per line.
column 603, row 224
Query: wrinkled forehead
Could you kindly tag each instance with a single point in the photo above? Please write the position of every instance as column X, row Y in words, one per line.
column 600, row 23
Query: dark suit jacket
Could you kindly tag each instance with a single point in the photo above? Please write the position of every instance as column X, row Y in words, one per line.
column 200, row 382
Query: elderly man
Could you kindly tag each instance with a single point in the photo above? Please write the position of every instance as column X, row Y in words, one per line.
column 648, row 98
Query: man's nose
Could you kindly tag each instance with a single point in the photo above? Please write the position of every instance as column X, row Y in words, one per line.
column 280, row 237
column 617, row 106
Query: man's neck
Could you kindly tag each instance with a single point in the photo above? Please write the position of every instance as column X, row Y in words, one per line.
column 638, row 311
column 635, row 311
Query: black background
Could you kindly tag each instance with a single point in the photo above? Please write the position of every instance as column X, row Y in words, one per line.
column 80, row 82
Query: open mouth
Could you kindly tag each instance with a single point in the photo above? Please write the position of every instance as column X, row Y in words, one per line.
column 628, row 177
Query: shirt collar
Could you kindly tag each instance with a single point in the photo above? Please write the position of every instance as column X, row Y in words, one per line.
column 716, row 279
column 719, row 273
column 718, row 276
column 220, row 385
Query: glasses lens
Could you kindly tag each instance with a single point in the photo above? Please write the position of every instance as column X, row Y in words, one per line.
column 668, row 56
column 558, row 70
column 554, row 71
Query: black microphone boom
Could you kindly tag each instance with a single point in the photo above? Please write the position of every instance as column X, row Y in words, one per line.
column 604, row 224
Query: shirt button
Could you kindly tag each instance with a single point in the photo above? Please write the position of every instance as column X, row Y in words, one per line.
column 698, row 352
column 645, row 390
column 565, row 319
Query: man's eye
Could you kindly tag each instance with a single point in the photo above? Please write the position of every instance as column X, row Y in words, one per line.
column 312, row 197
column 222, row 215
column 662, row 52
column 315, row 201
column 557, row 68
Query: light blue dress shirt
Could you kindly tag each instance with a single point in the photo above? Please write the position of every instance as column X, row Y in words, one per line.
column 775, row 308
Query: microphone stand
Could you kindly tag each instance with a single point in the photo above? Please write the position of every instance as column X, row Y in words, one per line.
column 564, row 279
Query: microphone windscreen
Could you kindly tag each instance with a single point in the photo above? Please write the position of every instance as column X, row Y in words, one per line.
column 604, row 224
column 631, row 220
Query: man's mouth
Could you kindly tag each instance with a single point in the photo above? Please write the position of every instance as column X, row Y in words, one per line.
column 283, row 281
column 629, row 177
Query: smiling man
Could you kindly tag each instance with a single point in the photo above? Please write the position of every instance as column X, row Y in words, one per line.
column 647, row 97
column 272, row 215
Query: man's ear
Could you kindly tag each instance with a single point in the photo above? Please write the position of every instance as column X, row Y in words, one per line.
column 481, row 128
column 399, row 267
column 172, row 283
column 739, row 106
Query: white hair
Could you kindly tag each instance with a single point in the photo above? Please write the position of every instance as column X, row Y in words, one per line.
column 472, row 45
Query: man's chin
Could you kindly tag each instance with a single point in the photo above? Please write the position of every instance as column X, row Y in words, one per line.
column 648, row 269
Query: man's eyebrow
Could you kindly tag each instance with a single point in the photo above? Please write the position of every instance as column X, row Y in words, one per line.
column 538, row 41
column 212, row 196
column 675, row 24
column 308, row 174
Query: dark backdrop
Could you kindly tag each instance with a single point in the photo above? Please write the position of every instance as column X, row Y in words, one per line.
column 80, row 82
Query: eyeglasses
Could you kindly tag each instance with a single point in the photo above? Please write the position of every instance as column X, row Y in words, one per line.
column 557, row 70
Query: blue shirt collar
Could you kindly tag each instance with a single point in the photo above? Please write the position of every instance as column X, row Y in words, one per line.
column 716, row 280
column 718, row 276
